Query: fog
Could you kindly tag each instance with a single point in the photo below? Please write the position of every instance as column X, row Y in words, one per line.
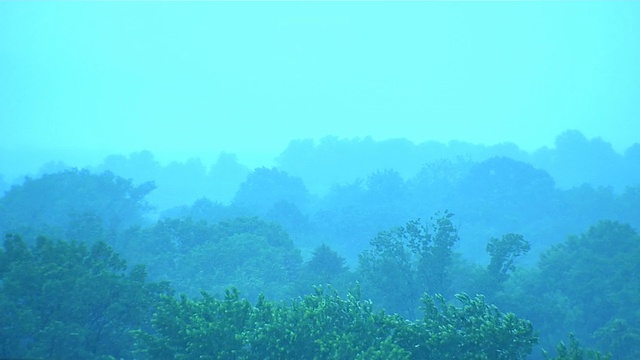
column 81, row 80
column 472, row 169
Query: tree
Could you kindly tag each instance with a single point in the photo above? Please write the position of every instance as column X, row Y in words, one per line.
column 325, row 326
column 264, row 188
column 434, row 185
column 585, row 285
column 574, row 352
column 226, row 175
column 500, row 186
column 576, row 160
column 476, row 330
column 188, row 329
column 248, row 253
column 504, row 252
column 63, row 300
column 344, row 220
column 50, row 204
column 289, row 217
column 406, row 261
column 595, row 271
column 325, row 267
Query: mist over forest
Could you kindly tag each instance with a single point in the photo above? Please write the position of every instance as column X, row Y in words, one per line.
column 344, row 191
column 353, row 180
column 550, row 236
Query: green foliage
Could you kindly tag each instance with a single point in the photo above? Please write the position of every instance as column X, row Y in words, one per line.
column 504, row 252
column 476, row 330
column 204, row 329
column 575, row 352
column 326, row 267
column 289, row 217
column 325, row 326
column 595, row 271
column 587, row 286
column 316, row 327
column 249, row 253
column 57, row 203
column 500, row 187
column 62, row 300
column 620, row 337
column 408, row 261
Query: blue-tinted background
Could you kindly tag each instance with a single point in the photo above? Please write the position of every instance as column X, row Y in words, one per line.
column 80, row 80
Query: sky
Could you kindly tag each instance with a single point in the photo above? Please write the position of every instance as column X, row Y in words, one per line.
column 82, row 80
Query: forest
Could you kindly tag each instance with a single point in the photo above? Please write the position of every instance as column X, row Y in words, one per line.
column 345, row 249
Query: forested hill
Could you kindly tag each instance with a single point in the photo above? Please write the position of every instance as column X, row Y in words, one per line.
column 342, row 192
column 572, row 161
column 388, row 220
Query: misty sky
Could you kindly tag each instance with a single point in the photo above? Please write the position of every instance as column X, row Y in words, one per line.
column 200, row 77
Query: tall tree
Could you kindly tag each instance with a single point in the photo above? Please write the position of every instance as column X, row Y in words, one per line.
column 325, row 267
column 407, row 261
column 504, row 252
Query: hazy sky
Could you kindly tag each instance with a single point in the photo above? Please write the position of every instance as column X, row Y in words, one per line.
column 248, row 77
